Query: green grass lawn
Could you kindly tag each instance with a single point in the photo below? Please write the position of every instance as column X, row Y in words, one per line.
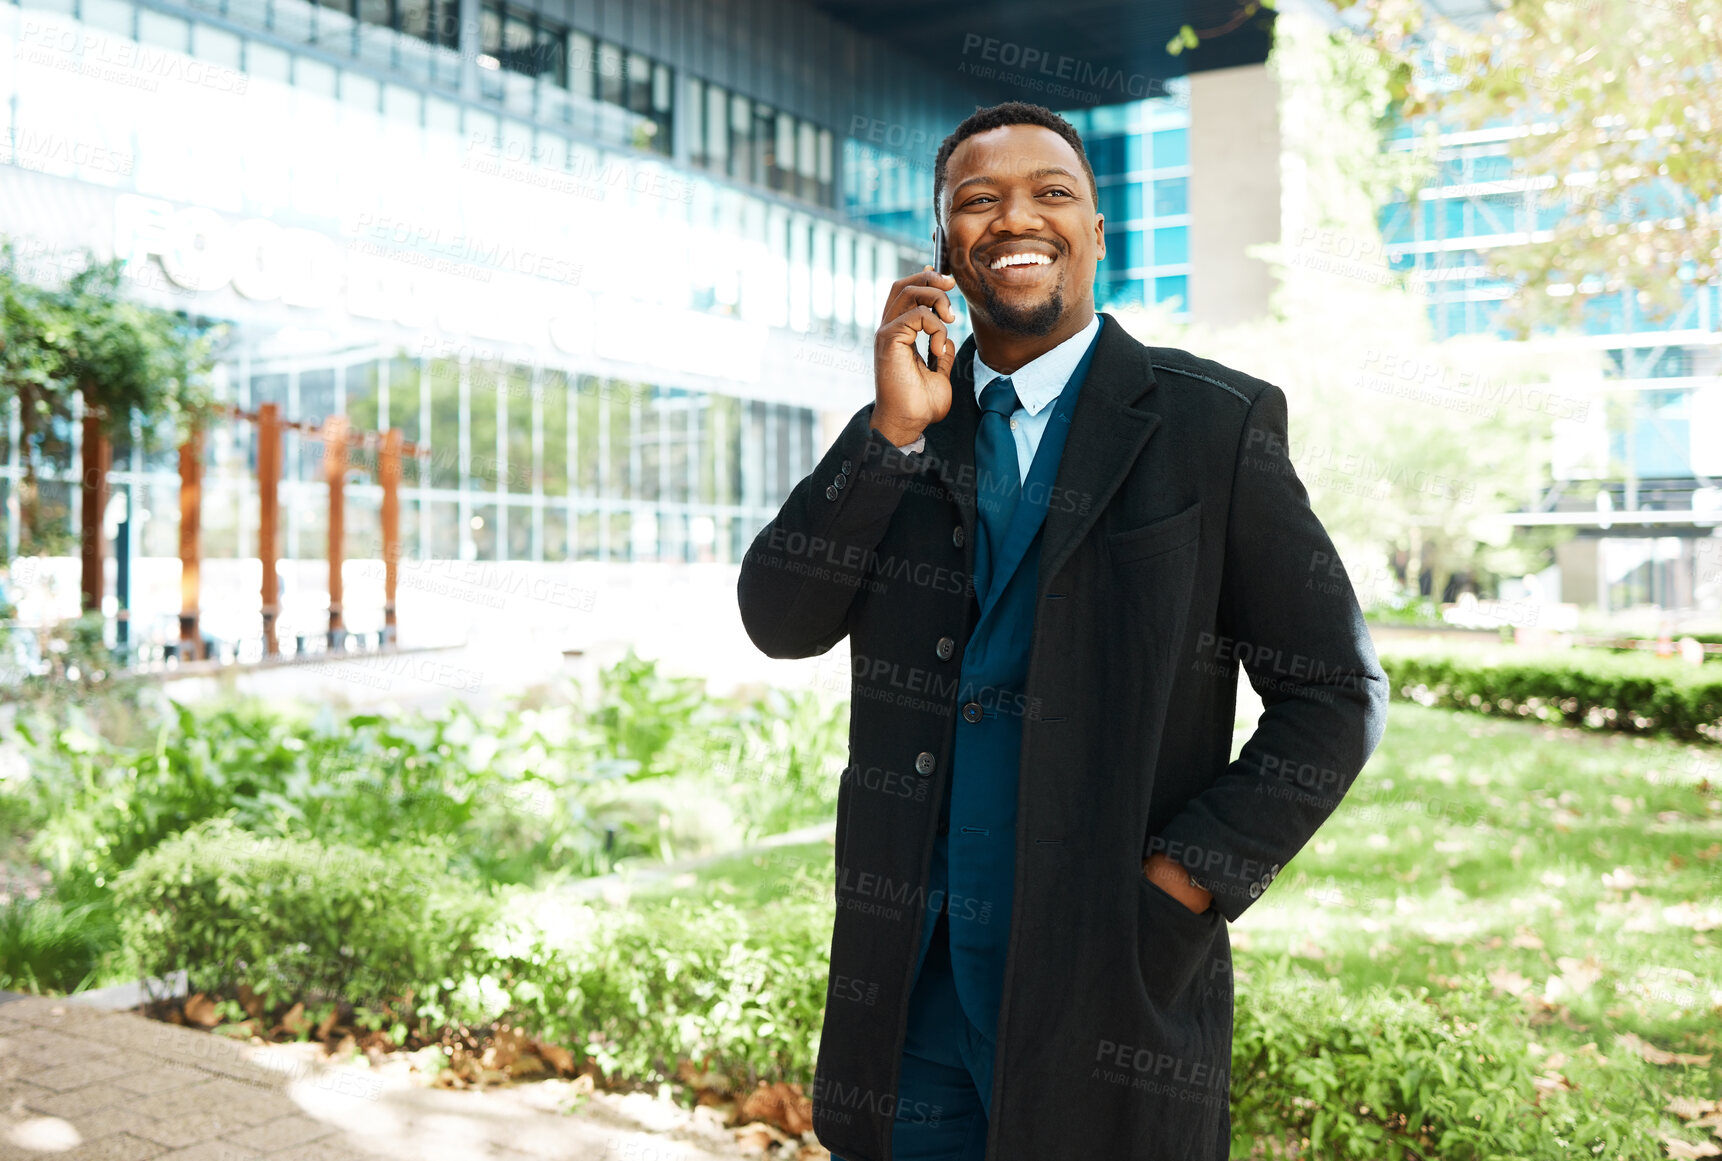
column 1579, row 873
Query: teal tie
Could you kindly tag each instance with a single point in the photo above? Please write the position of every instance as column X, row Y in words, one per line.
column 1000, row 478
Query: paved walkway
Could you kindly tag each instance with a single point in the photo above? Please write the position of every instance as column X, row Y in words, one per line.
column 81, row 1084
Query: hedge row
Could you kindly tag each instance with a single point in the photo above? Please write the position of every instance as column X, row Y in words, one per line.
column 1594, row 690
column 1343, row 1077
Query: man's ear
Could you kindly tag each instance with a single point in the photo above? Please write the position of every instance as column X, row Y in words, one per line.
column 1099, row 236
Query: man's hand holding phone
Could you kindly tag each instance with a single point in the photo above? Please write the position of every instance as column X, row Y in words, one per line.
column 908, row 395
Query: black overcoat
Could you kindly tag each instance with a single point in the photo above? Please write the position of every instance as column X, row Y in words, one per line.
column 1179, row 543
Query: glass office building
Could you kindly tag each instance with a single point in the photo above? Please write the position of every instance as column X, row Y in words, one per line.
column 618, row 285
column 1660, row 451
column 1140, row 152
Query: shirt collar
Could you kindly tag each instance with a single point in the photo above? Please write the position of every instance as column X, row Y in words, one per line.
column 1040, row 380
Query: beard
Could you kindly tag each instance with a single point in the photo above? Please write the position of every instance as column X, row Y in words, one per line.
column 1031, row 319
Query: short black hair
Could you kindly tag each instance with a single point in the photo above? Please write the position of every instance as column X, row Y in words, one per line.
column 1010, row 113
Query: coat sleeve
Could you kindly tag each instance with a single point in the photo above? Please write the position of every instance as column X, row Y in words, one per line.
column 1288, row 614
column 804, row 569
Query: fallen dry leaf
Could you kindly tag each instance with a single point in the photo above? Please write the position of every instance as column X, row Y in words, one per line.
column 555, row 1055
column 1690, row 914
column 1687, row 1151
column 1689, row 1108
column 1509, row 981
column 780, row 1104
column 294, row 1021
column 1552, row 1081
column 251, row 1002
column 200, row 1010
column 1648, row 1051
column 760, row 1136
column 506, row 1046
column 1575, row 979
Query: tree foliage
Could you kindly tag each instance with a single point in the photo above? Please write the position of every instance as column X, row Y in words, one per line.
column 82, row 337
column 1618, row 103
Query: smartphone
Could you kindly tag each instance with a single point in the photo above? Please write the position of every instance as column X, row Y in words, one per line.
column 941, row 263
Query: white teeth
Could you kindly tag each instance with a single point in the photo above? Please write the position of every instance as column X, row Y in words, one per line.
column 1022, row 260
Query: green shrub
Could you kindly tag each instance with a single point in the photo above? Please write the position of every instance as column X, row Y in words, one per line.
column 639, row 989
column 292, row 917
column 1592, row 689
column 1394, row 1073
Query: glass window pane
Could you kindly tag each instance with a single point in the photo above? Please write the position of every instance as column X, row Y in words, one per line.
column 1171, row 196
column 490, row 31
column 555, row 532
column 717, row 127
column 581, row 68
column 661, row 89
column 639, row 83
column 1171, row 147
column 444, row 391
column 1176, row 286
column 1171, row 245
column 610, row 74
column 783, row 152
column 521, row 468
column 161, row 29
column 553, row 396
column 517, row 43
column 481, row 528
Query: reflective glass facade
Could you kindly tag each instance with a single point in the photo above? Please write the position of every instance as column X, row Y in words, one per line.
column 537, row 269
column 1140, row 152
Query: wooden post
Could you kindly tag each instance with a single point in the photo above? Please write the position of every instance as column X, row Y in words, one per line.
column 335, row 471
column 97, row 457
column 269, row 518
column 389, row 469
column 190, row 505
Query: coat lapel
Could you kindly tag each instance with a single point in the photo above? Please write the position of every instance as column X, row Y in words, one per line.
column 1107, row 433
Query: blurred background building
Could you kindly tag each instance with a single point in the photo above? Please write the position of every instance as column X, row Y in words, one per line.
column 618, row 263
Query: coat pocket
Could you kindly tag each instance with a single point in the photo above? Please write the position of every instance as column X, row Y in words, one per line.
column 1172, row 942
column 1159, row 536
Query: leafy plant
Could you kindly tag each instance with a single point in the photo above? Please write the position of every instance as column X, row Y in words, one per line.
column 46, row 946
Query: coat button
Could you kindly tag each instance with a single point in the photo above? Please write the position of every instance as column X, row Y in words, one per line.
column 924, row 763
column 946, row 648
column 972, row 712
column 1255, row 890
column 957, row 536
column 846, row 467
column 830, row 492
column 839, row 480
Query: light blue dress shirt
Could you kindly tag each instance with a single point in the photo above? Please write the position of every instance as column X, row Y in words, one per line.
column 1038, row 383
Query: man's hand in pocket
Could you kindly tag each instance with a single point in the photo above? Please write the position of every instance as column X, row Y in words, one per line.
column 1175, row 881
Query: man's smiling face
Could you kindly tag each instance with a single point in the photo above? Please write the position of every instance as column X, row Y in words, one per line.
column 1023, row 231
